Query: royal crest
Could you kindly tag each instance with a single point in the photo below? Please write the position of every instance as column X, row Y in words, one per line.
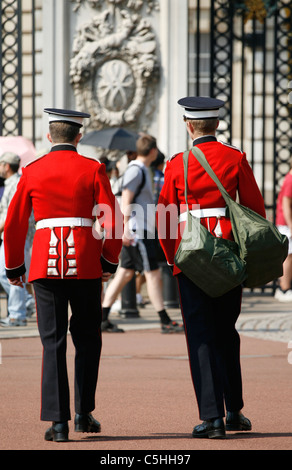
column 114, row 69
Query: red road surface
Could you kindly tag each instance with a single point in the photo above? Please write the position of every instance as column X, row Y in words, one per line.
column 145, row 399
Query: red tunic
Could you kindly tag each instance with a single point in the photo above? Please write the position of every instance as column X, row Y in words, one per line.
column 62, row 184
column 234, row 172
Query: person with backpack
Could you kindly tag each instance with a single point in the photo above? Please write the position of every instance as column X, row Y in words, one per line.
column 139, row 246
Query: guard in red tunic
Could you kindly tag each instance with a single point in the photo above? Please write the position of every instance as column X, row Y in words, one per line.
column 213, row 342
column 71, row 256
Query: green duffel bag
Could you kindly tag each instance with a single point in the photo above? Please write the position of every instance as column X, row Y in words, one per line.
column 261, row 246
column 213, row 264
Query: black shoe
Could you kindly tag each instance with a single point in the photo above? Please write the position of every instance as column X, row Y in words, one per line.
column 171, row 327
column 211, row 428
column 58, row 432
column 86, row 423
column 235, row 421
column 110, row 327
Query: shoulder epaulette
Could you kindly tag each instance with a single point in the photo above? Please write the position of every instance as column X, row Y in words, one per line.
column 231, row 146
column 91, row 158
column 35, row 160
column 173, row 156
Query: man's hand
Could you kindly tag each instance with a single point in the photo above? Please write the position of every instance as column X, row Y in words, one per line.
column 127, row 240
column 18, row 281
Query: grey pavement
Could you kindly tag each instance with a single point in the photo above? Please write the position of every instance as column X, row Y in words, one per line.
column 262, row 317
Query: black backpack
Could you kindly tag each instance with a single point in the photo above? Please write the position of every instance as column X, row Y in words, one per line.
column 140, row 187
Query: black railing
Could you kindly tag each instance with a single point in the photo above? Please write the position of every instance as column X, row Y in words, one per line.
column 11, row 70
column 11, row 67
column 250, row 65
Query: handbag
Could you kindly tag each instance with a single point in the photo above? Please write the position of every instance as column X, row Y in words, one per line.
column 213, row 264
column 261, row 245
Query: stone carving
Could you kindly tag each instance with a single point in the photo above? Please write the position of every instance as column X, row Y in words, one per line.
column 114, row 68
column 135, row 4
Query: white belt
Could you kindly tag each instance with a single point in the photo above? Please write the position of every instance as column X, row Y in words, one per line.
column 200, row 213
column 64, row 222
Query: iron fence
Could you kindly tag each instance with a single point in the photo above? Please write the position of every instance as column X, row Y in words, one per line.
column 246, row 61
column 11, row 69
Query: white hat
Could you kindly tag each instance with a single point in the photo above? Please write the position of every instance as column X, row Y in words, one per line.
column 201, row 107
column 66, row 115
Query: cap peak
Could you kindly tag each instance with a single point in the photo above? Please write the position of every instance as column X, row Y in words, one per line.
column 66, row 115
column 201, row 107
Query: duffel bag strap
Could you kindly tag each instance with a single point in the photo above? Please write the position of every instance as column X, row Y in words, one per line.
column 205, row 164
column 185, row 161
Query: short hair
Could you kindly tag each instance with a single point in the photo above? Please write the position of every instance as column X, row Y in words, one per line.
column 204, row 125
column 159, row 160
column 145, row 144
column 63, row 132
column 14, row 167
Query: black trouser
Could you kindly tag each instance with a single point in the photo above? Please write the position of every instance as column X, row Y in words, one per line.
column 52, row 300
column 213, row 347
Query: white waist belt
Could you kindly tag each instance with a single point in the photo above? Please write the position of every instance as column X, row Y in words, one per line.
column 200, row 213
column 64, row 222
